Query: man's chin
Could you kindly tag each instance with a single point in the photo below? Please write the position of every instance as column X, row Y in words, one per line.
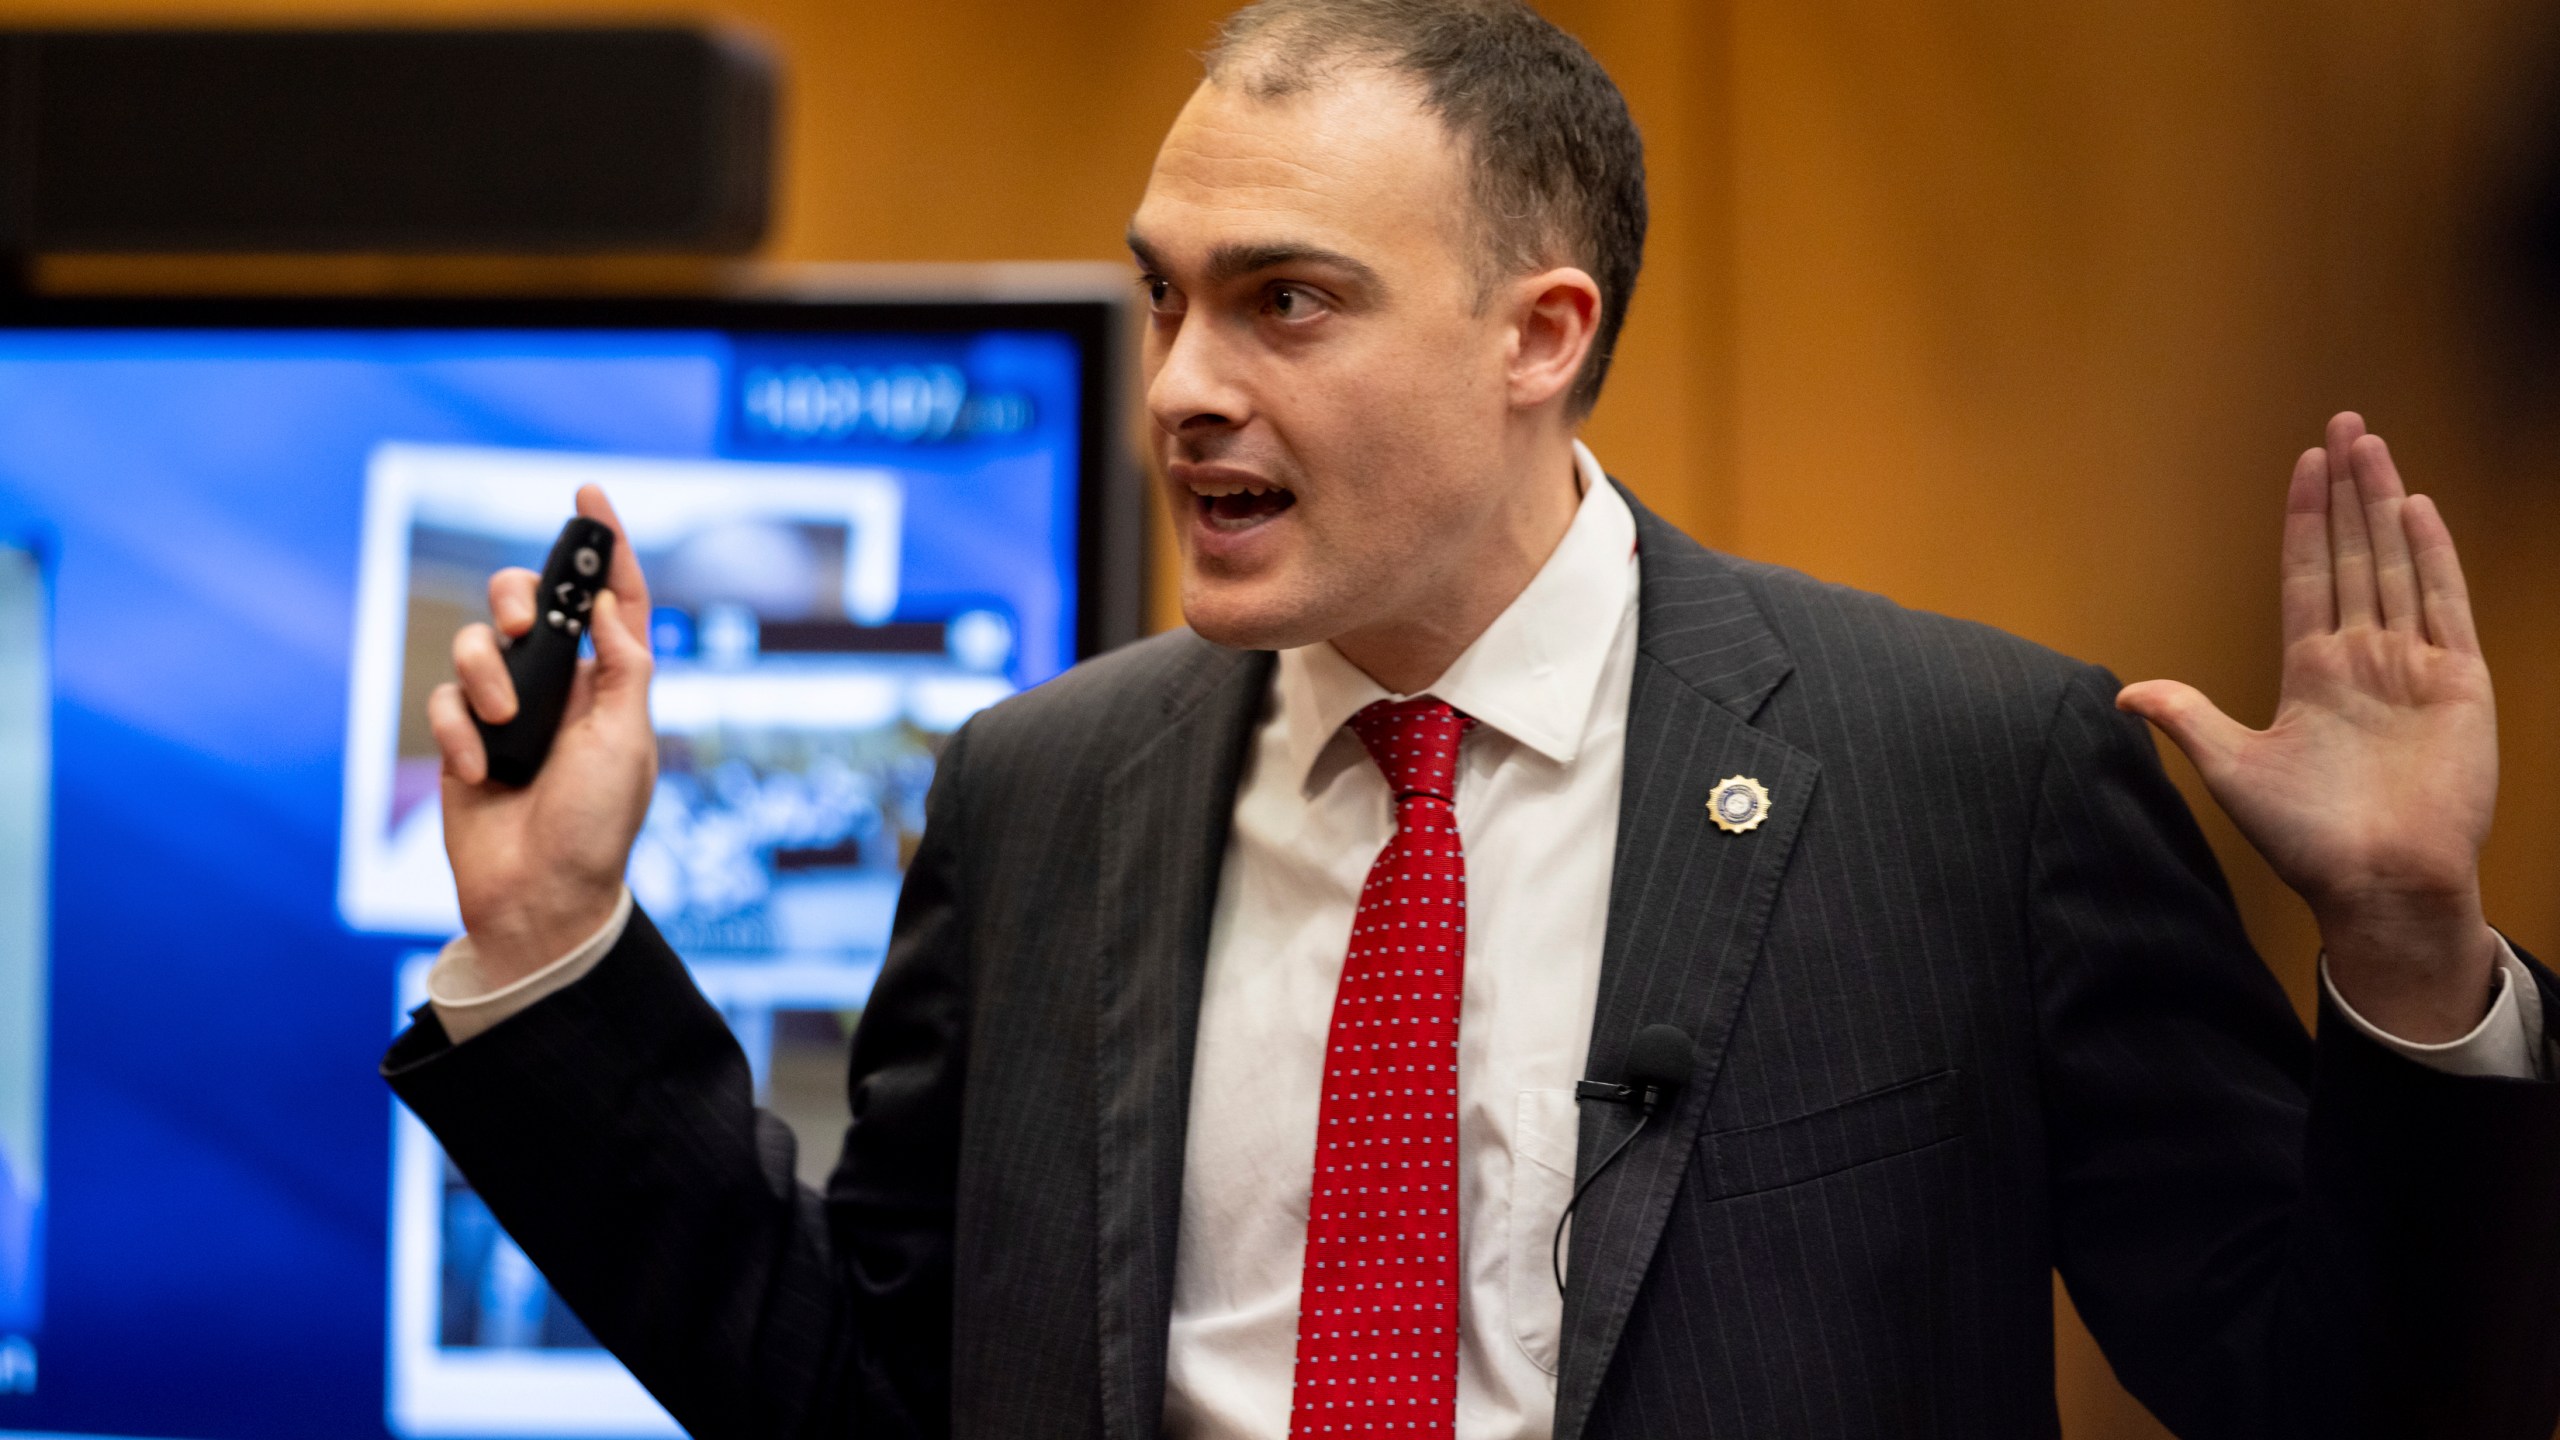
column 1251, row 616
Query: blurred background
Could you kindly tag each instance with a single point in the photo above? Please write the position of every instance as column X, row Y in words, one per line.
column 2012, row 310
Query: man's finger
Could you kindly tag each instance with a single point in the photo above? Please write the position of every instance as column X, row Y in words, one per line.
column 511, row 604
column 2338, row 438
column 2446, row 597
column 2378, row 487
column 482, row 670
column 457, row 739
column 2310, row 591
column 2350, row 548
column 2210, row 738
column 625, row 580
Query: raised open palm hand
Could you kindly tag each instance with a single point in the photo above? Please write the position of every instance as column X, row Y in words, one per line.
column 2372, row 790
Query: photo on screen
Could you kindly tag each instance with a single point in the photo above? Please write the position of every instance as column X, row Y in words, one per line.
column 796, row 726
column 25, row 766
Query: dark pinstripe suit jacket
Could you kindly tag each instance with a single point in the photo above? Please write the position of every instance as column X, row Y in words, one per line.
column 1972, row 1005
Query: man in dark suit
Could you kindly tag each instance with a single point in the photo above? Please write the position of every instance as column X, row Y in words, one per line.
column 1221, row 1079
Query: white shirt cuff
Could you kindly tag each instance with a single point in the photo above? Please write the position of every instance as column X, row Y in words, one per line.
column 2507, row 1043
column 466, row 1004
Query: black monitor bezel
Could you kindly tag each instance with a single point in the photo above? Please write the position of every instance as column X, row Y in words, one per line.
column 1110, row 548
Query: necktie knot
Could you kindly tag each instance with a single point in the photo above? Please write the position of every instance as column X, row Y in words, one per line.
column 1415, row 744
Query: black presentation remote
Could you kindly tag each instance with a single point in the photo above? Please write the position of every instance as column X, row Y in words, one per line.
column 544, row 659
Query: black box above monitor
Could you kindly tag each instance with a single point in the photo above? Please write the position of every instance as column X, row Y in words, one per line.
column 491, row 140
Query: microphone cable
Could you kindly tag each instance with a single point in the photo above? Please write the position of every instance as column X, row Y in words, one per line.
column 1659, row 1062
column 1555, row 1247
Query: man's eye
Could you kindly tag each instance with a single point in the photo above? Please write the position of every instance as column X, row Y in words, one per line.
column 1159, row 293
column 1288, row 302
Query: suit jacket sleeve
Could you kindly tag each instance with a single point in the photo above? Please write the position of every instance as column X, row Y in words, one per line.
column 612, row 1129
column 2269, row 1235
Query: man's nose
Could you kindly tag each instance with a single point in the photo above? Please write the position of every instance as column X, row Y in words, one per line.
column 1194, row 387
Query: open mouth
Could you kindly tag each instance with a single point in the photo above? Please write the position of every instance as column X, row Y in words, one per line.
column 1240, row 507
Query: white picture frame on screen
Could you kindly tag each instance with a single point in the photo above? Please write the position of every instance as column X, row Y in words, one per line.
column 391, row 873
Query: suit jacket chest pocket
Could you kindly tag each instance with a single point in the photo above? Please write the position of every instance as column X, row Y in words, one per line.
column 1896, row 1119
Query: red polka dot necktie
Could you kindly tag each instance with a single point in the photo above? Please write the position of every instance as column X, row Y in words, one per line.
column 1378, row 1300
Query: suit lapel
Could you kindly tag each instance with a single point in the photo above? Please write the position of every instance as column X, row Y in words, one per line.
column 1687, row 907
column 1163, row 833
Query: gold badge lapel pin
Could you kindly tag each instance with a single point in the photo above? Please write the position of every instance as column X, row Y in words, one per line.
column 1738, row 804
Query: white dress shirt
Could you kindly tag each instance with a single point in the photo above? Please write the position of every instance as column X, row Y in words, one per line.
column 1537, row 804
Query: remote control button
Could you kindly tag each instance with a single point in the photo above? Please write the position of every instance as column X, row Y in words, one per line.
column 573, row 625
column 564, row 590
column 556, row 619
column 587, row 560
column 586, row 601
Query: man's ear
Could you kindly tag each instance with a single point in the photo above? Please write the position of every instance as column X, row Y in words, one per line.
column 1557, row 320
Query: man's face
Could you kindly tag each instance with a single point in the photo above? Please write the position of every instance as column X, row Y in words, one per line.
column 1328, row 396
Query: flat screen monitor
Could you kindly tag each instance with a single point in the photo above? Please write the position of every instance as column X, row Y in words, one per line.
column 235, row 541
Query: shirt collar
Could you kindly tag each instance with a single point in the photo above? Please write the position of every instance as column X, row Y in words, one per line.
column 1533, row 673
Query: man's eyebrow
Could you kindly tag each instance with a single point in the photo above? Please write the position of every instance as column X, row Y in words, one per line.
column 1232, row 262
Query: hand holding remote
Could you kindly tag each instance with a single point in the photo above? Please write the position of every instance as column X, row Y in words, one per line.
column 539, row 865
column 542, row 662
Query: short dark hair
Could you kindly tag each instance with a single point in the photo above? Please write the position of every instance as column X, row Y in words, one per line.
column 1556, row 164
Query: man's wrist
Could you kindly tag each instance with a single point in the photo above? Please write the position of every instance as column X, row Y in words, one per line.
column 512, row 946
column 468, row 1005
column 2423, row 968
column 2506, row 1044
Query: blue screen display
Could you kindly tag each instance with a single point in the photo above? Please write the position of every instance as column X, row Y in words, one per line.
column 254, row 545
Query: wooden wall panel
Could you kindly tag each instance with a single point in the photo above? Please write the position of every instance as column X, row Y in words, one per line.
column 2004, row 308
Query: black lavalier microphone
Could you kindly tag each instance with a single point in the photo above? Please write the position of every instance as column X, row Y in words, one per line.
column 1659, row 1061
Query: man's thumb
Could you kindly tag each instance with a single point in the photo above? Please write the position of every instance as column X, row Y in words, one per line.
column 623, row 661
column 2192, row 722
